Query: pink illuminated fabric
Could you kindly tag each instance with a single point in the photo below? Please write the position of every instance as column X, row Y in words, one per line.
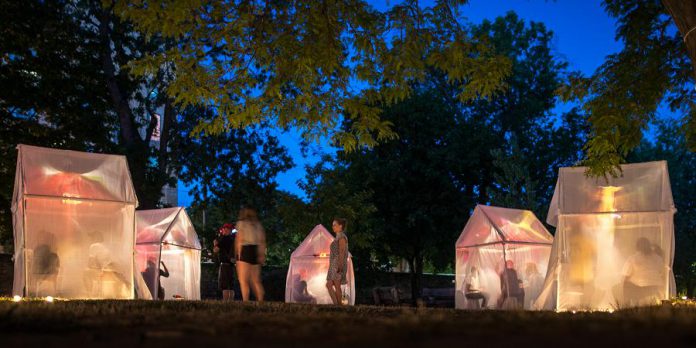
column 309, row 264
column 167, row 236
column 492, row 237
column 74, row 220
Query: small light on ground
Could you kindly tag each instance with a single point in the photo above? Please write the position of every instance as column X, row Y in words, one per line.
column 17, row 298
column 49, row 298
column 684, row 298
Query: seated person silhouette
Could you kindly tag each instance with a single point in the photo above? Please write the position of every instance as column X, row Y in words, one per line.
column 512, row 293
column 644, row 274
column 152, row 275
column 473, row 289
column 45, row 267
column 300, row 294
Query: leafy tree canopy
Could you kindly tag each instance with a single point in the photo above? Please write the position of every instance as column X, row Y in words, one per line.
column 624, row 94
column 304, row 63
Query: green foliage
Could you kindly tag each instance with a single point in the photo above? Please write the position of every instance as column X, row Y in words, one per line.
column 298, row 63
column 526, row 142
column 52, row 91
column 623, row 95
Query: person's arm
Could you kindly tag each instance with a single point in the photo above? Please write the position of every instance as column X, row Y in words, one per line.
column 238, row 242
column 216, row 247
column 262, row 246
column 164, row 273
column 342, row 251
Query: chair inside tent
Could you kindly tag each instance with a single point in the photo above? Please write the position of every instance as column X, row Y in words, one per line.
column 309, row 264
column 73, row 217
column 501, row 259
column 614, row 243
column 168, row 255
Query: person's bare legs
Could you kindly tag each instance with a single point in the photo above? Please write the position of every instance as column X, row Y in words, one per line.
column 332, row 292
column 338, row 292
column 243, row 275
column 227, row 295
column 255, row 272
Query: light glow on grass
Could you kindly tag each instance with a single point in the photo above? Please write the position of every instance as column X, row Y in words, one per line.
column 49, row 299
column 16, row 298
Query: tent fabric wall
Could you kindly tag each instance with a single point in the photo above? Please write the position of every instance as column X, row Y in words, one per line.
column 614, row 243
column 310, row 263
column 168, row 236
column 492, row 236
column 74, row 217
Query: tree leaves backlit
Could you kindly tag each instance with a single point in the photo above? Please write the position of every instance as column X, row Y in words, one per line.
column 311, row 64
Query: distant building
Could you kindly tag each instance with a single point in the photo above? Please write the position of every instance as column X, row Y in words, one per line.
column 170, row 194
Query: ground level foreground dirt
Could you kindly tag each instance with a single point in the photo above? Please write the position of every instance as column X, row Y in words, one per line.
column 207, row 323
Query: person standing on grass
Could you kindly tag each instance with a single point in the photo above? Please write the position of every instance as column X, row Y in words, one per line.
column 250, row 245
column 338, row 261
column 223, row 246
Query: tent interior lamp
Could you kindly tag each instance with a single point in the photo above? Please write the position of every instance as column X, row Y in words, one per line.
column 608, row 199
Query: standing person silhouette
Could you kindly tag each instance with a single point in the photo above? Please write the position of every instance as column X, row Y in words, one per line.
column 250, row 245
column 223, row 247
column 338, row 261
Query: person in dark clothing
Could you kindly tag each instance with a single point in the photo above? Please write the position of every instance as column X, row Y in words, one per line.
column 223, row 247
column 510, row 286
column 148, row 275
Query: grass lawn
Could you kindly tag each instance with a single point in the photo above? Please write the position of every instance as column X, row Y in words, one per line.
column 207, row 323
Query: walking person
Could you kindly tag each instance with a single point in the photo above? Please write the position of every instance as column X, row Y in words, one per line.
column 250, row 246
column 223, row 247
column 338, row 261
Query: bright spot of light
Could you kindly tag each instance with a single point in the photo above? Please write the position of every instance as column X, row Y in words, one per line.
column 17, row 298
column 49, row 299
column 684, row 298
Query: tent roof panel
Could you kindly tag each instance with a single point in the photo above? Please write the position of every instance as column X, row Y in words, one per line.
column 317, row 242
column 489, row 225
column 169, row 225
column 641, row 187
column 64, row 173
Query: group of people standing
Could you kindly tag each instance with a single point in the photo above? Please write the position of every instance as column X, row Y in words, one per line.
column 246, row 249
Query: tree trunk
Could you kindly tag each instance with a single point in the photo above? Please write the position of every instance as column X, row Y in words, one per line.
column 136, row 148
column 683, row 12
column 416, row 264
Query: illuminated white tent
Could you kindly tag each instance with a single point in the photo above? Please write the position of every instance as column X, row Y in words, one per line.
column 493, row 236
column 73, row 221
column 309, row 264
column 168, row 236
column 614, row 243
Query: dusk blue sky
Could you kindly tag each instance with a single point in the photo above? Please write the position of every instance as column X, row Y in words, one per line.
column 583, row 36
